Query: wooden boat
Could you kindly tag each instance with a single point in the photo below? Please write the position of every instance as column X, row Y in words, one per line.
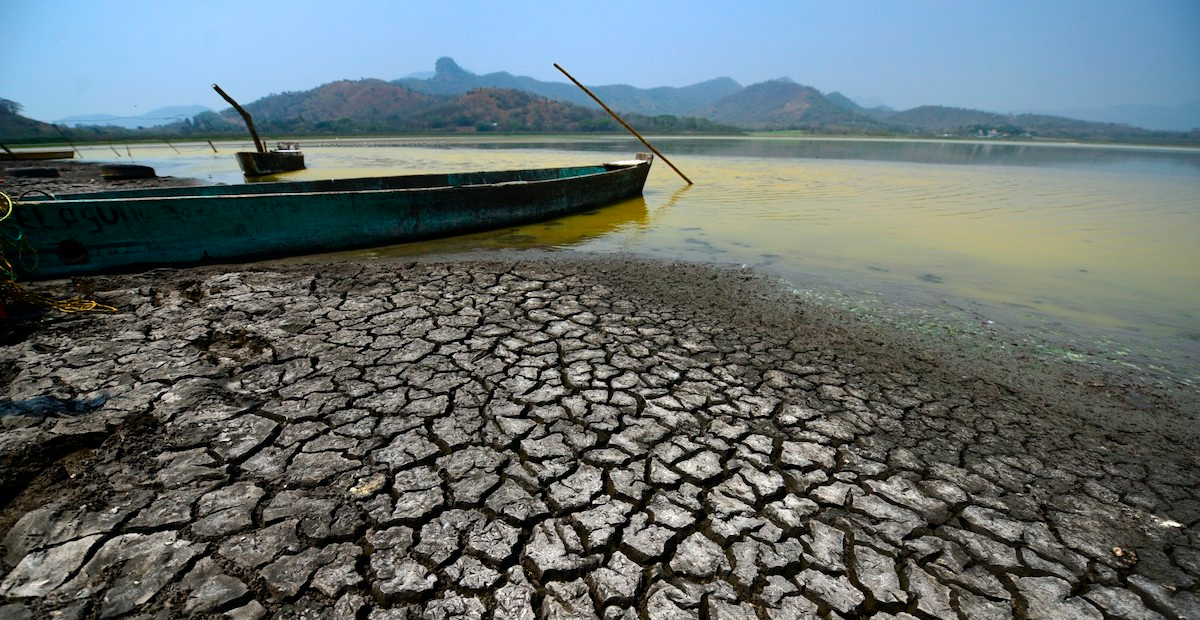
column 8, row 155
column 286, row 158
column 176, row 226
column 34, row 173
column 126, row 172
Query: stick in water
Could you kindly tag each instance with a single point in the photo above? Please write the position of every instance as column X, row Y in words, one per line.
column 624, row 124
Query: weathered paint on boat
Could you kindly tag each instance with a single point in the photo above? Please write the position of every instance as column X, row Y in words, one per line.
column 130, row 229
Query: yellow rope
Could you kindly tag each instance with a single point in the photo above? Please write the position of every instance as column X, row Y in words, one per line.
column 8, row 209
column 10, row 291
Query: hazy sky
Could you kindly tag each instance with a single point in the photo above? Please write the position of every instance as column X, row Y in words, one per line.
column 127, row 57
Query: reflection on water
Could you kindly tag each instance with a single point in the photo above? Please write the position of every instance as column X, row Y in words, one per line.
column 958, row 152
column 985, row 153
column 1093, row 240
column 573, row 230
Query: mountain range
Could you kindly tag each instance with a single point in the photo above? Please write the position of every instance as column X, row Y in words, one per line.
column 751, row 106
column 153, row 118
column 452, row 99
column 456, row 99
column 1156, row 117
column 371, row 106
column 451, row 79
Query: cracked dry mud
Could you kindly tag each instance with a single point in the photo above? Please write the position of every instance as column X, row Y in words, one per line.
column 592, row 438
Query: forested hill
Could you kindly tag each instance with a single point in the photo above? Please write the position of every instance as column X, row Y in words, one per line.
column 783, row 104
column 14, row 127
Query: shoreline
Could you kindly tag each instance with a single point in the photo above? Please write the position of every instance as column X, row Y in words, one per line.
column 268, row 396
column 75, row 176
column 535, row 434
column 1091, row 354
column 1139, row 388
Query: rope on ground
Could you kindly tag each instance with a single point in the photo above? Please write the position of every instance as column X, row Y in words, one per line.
column 8, row 207
column 10, row 291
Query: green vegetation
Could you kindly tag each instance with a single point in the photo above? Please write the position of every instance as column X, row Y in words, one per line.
column 14, row 127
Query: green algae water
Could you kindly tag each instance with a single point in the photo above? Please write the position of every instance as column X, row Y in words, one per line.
column 1093, row 249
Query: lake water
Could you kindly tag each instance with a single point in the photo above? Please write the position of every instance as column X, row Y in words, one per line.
column 1092, row 251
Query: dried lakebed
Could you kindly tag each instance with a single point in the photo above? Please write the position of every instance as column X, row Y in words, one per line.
column 586, row 438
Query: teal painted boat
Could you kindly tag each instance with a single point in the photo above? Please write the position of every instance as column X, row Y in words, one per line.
column 128, row 230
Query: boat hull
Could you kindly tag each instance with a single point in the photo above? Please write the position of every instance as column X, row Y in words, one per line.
column 134, row 229
column 126, row 172
column 35, row 155
column 270, row 162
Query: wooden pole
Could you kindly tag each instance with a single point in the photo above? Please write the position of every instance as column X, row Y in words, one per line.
column 258, row 144
column 624, row 124
column 64, row 136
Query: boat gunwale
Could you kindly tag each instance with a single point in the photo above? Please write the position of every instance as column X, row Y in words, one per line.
column 152, row 195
